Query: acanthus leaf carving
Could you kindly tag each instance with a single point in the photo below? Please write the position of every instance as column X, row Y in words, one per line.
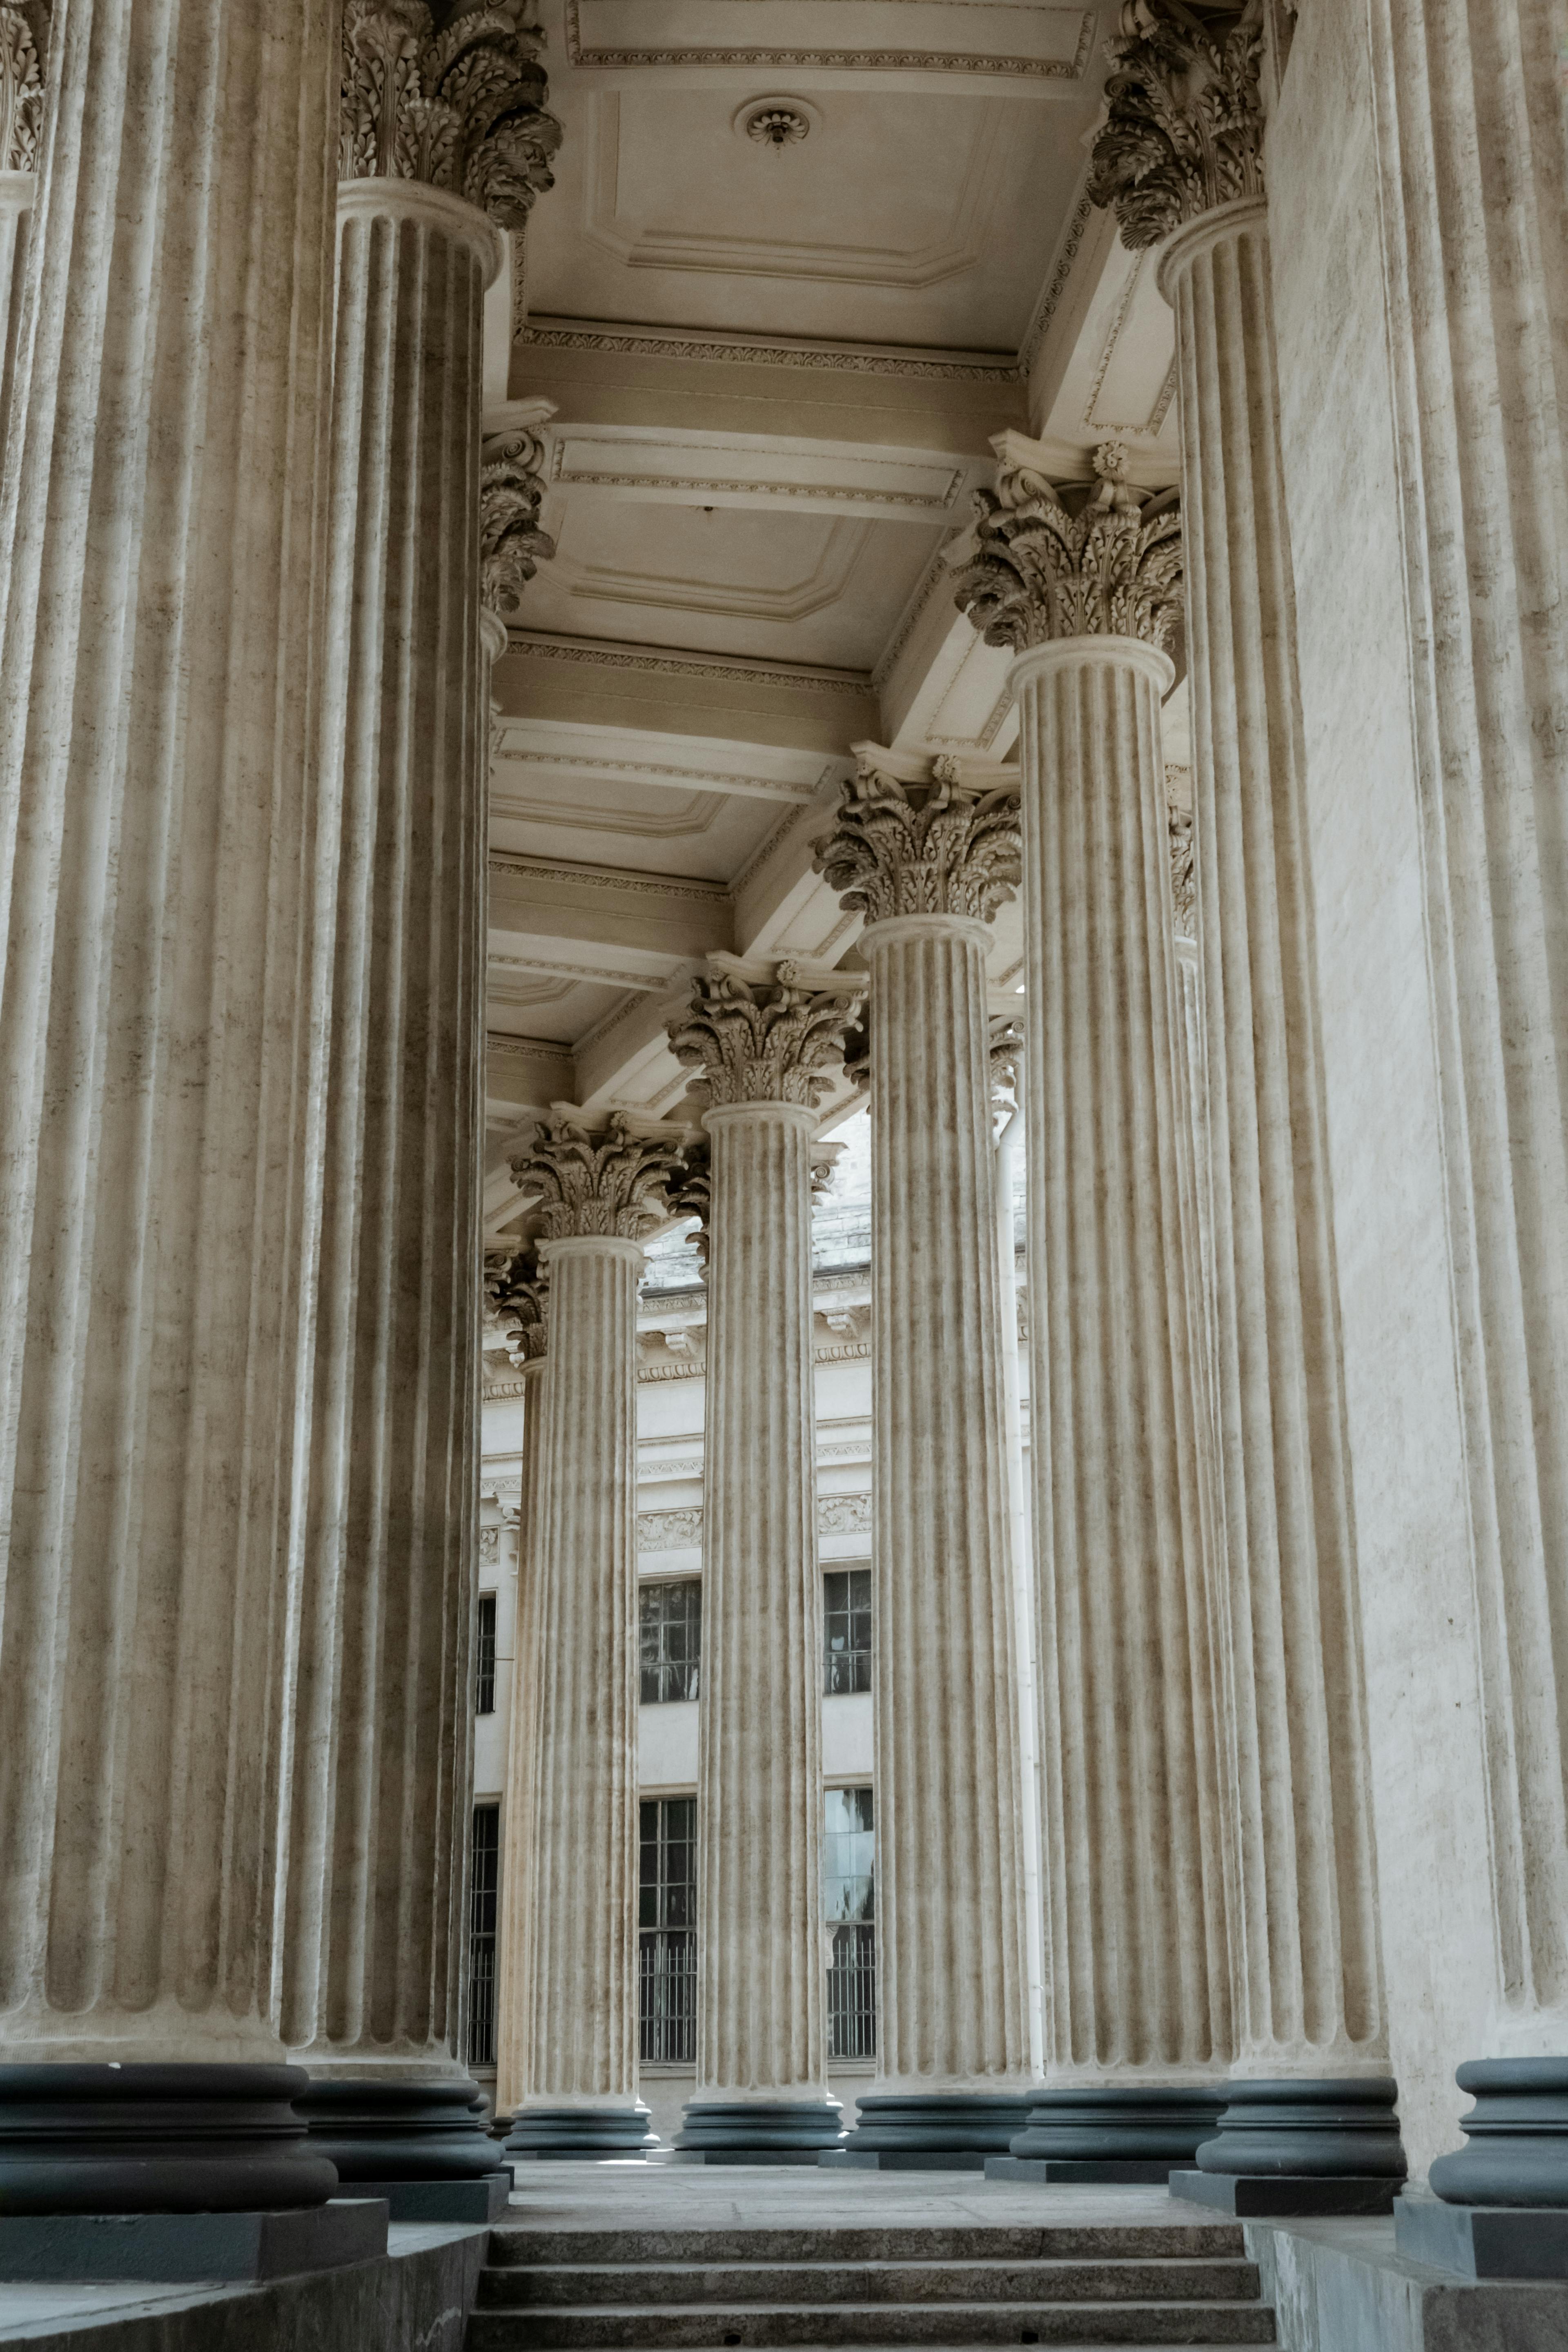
column 516, row 1296
column 1183, row 129
column 23, row 54
column 761, row 1040
column 1183, row 879
column 462, row 109
column 609, row 1187
column 939, row 849
column 1004, row 1052
column 1088, row 560
column 511, row 545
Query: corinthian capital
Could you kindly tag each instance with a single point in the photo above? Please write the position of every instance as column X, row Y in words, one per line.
column 1086, row 561
column 512, row 490
column 1183, row 130
column 607, row 1183
column 24, row 53
column 461, row 107
column 515, row 1292
column 951, row 846
column 762, row 1038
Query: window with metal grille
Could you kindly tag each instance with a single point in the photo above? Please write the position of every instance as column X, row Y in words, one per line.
column 484, row 1883
column 667, row 1923
column 671, row 1631
column 850, row 1905
column 847, row 1620
column 485, row 1660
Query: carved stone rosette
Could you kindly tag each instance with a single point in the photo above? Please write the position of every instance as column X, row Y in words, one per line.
column 758, row 1040
column 461, row 108
column 1183, row 131
column 1100, row 559
column 936, row 848
column 511, row 545
column 614, row 1188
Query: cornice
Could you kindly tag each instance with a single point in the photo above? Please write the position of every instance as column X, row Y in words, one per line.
column 1055, row 284
column 607, row 877
column 525, row 1049
column 847, row 60
column 539, row 646
column 838, row 359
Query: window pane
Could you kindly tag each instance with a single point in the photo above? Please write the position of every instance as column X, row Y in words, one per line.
column 485, row 1656
column 484, row 1850
column 846, row 1630
column 669, row 1624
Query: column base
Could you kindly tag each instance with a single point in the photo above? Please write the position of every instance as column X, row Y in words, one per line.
column 953, row 2134
column 1516, row 2135
column 1327, row 2128
column 484, row 2199
column 98, row 2140
column 1482, row 2241
column 1151, row 2126
column 1106, row 2174
column 580, row 2135
column 1282, row 2196
column 64, row 2247
column 758, row 2131
column 405, row 2140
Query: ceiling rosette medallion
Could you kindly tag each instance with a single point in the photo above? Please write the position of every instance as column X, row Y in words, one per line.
column 1098, row 559
column 462, row 107
column 1184, row 128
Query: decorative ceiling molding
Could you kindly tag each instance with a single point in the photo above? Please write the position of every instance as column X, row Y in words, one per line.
column 588, row 18
column 506, row 981
column 1093, row 421
column 589, row 975
column 524, row 1049
column 697, row 816
column 962, row 246
column 656, row 342
column 936, row 573
column 1055, row 284
column 688, row 664
column 661, row 774
column 760, row 469
column 843, row 544
column 605, row 877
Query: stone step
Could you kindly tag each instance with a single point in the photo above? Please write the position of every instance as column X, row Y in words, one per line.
column 1019, row 2242
column 637, row 2328
column 741, row 2283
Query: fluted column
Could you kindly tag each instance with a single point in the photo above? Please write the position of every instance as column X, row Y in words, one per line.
column 762, row 1038
column 1471, row 144
column 25, row 26
column 377, row 1933
column 161, row 502
column 1309, row 1995
column 519, row 1299
column 929, row 857
column 599, row 1191
column 1085, row 585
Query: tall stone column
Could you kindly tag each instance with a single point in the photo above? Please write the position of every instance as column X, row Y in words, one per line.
column 25, row 27
column 157, row 828
column 443, row 140
column 1085, row 583
column 929, row 857
column 1470, row 143
column 762, row 1038
column 1180, row 157
column 599, row 1190
column 520, row 1297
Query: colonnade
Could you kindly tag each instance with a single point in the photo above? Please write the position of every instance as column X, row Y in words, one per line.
column 249, row 514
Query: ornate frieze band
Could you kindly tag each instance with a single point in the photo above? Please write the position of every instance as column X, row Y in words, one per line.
column 461, row 108
column 1183, row 129
column 1093, row 560
column 939, row 849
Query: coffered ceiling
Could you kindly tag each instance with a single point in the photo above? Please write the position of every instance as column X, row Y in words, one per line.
column 804, row 258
